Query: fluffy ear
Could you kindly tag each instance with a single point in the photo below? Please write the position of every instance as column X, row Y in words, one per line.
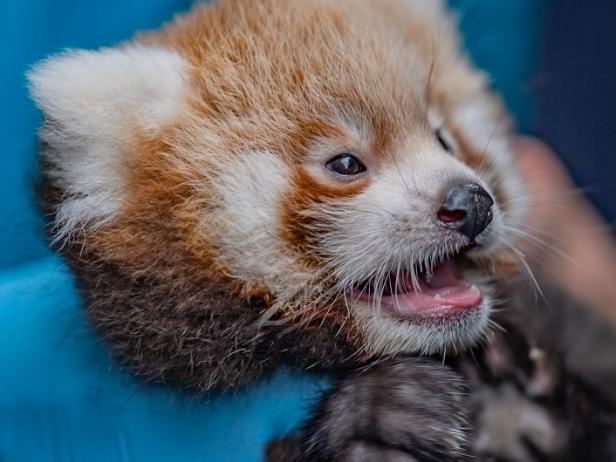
column 94, row 103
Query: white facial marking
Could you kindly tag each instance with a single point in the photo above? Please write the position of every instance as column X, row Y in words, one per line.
column 251, row 187
column 94, row 103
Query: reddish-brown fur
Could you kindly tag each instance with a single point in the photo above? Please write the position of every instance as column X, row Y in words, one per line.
column 297, row 82
column 276, row 76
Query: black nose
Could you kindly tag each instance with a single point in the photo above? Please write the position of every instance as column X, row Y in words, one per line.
column 467, row 209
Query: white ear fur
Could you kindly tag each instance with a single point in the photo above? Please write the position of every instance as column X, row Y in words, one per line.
column 432, row 8
column 93, row 103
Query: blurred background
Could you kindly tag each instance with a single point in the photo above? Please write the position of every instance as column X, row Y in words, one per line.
column 573, row 94
column 554, row 62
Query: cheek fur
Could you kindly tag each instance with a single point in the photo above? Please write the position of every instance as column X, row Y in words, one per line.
column 303, row 213
column 248, row 230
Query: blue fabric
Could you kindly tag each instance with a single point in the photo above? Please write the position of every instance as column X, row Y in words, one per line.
column 61, row 397
column 502, row 39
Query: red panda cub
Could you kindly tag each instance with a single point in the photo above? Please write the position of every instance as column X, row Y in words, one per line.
column 324, row 184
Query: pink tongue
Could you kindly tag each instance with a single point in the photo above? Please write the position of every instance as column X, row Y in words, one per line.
column 443, row 290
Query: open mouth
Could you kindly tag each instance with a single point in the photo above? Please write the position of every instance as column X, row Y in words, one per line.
column 438, row 292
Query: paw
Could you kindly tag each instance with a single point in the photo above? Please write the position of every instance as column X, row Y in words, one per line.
column 407, row 410
column 361, row 451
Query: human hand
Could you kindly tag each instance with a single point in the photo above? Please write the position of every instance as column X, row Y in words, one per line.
column 564, row 238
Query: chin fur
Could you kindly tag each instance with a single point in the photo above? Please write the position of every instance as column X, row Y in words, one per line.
column 388, row 335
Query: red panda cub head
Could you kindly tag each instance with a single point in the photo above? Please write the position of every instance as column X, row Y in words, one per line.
column 279, row 180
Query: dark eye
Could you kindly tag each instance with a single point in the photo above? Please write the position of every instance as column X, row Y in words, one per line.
column 441, row 139
column 346, row 164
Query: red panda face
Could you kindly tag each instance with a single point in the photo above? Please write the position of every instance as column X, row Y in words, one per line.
column 341, row 163
column 361, row 226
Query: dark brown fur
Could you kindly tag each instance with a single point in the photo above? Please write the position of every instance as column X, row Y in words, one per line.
column 179, row 327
